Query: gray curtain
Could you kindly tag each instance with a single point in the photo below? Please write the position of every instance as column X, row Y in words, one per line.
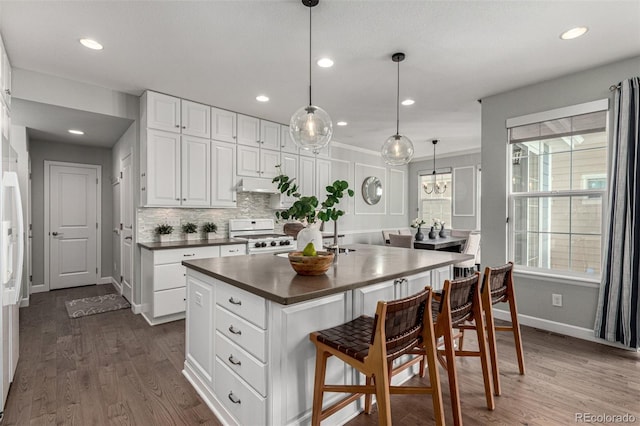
column 617, row 316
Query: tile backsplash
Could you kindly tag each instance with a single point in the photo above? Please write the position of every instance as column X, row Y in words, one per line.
column 250, row 204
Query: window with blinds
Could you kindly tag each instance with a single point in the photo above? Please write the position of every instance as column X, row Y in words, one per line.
column 558, row 172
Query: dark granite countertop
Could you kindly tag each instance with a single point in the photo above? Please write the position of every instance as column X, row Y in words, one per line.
column 192, row 243
column 272, row 277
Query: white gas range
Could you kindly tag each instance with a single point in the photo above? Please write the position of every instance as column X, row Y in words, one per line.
column 260, row 236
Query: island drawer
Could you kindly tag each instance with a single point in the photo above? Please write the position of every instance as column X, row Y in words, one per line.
column 188, row 253
column 244, row 304
column 241, row 363
column 242, row 333
column 171, row 275
column 233, row 250
column 168, row 302
column 245, row 404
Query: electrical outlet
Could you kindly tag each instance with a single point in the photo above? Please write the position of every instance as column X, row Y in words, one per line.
column 556, row 299
column 198, row 298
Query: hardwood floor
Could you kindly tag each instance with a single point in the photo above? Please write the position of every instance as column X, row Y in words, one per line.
column 113, row 368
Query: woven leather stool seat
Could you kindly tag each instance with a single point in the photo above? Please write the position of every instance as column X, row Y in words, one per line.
column 352, row 338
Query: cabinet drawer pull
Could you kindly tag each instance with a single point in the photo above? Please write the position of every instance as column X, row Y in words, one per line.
column 177, row 126
column 234, row 331
column 234, row 398
column 234, row 301
column 184, row 127
column 189, row 255
column 234, row 361
column 232, row 251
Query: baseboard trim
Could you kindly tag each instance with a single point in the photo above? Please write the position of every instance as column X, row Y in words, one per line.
column 136, row 308
column 104, row 280
column 557, row 327
column 38, row 288
column 116, row 285
column 24, row 302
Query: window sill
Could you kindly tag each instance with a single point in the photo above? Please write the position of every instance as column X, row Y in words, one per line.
column 564, row 279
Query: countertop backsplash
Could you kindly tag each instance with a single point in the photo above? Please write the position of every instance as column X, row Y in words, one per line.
column 250, row 205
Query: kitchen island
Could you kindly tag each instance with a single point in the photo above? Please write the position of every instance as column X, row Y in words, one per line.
column 248, row 321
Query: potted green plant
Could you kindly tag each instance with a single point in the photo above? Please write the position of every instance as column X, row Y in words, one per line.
column 308, row 210
column 210, row 229
column 164, row 231
column 190, row 230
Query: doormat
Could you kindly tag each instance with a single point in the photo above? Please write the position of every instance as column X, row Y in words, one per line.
column 95, row 305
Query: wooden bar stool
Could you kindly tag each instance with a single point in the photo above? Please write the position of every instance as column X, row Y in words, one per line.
column 460, row 308
column 370, row 345
column 497, row 287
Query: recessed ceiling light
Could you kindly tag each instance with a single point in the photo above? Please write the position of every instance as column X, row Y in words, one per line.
column 262, row 98
column 342, row 123
column 325, row 62
column 91, row 44
column 573, row 33
column 408, row 102
column 76, row 132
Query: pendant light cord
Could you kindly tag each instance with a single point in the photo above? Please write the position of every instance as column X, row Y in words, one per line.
column 310, row 56
column 434, row 162
column 398, row 103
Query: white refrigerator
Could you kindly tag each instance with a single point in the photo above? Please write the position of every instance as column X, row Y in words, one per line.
column 12, row 240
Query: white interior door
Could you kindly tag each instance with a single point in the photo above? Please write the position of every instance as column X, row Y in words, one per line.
column 126, row 234
column 73, row 226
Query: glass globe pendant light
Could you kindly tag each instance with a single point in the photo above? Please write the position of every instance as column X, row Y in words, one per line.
column 310, row 126
column 397, row 150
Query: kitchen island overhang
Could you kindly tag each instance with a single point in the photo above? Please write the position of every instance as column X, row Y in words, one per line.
column 248, row 352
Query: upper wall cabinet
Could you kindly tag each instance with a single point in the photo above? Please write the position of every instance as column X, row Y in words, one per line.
column 223, row 174
column 196, row 119
column 163, row 112
column 161, row 180
column 172, row 114
column 286, row 143
column 5, row 75
column 223, row 125
column 255, row 132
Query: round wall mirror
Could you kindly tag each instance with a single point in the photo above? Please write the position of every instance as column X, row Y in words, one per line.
column 371, row 190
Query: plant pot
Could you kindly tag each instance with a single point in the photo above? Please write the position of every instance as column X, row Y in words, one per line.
column 442, row 233
column 432, row 234
column 419, row 234
column 212, row 236
column 164, row 238
column 192, row 236
column 310, row 234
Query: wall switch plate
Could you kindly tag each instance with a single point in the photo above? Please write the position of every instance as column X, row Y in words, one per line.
column 556, row 299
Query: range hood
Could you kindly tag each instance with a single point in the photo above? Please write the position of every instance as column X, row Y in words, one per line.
column 263, row 185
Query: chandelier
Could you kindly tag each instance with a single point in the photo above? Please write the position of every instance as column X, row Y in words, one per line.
column 436, row 187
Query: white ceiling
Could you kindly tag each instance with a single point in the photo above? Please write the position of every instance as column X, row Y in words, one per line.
column 224, row 53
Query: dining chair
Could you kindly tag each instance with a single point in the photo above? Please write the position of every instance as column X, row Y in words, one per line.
column 401, row 240
column 370, row 345
column 472, row 245
column 385, row 236
column 460, row 308
column 497, row 287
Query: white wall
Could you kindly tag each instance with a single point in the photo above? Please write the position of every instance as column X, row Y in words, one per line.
column 534, row 293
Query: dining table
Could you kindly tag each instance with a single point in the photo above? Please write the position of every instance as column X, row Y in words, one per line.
column 448, row 243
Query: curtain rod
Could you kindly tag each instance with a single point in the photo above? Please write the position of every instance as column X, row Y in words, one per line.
column 614, row 87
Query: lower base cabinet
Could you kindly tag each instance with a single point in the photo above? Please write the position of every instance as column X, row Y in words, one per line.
column 163, row 279
column 251, row 359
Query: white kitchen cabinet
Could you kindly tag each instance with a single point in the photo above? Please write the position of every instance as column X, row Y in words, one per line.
column 162, row 111
column 196, row 169
column 307, row 175
column 223, row 125
column 257, row 162
column 286, row 143
column 223, row 174
column 196, row 119
column 270, row 135
column 161, row 180
column 248, row 131
column 177, row 170
column 289, row 167
column 164, row 284
column 200, row 327
column 323, row 177
column 6, row 78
